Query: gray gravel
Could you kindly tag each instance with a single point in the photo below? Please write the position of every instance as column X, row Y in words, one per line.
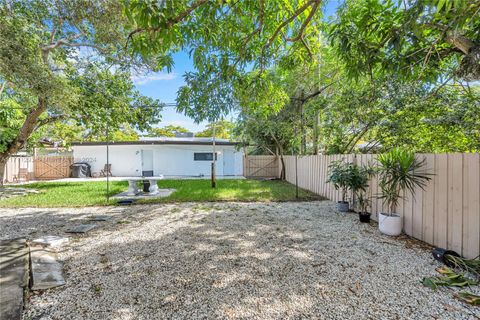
column 233, row 261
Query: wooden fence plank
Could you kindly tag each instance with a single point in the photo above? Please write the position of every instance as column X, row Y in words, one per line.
column 457, row 203
column 428, row 208
column 417, row 197
column 441, row 200
column 471, row 205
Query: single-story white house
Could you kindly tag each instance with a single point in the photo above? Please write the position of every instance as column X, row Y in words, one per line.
column 168, row 156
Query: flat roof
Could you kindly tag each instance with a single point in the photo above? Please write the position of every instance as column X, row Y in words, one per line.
column 157, row 142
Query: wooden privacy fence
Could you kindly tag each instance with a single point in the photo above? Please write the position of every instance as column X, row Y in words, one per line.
column 260, row 166
column 52, row 167
column 446, row 214
column 13, row 166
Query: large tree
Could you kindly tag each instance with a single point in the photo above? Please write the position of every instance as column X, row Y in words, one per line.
column 225, row 38
column 416, row 39
column 429, row 39
column 220, row 129
column 166, row 131
column 272, row 133
column 63, row 60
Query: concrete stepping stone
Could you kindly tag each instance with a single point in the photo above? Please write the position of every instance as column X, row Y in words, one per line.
column 51, row 241
column 116, row 210
column 82, row 228
column 46, row 270
column 13, row 277
column 100, row 218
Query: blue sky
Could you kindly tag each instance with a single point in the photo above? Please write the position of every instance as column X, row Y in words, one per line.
column 164, row 86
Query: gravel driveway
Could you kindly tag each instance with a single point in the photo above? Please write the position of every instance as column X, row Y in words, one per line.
column 293, row 260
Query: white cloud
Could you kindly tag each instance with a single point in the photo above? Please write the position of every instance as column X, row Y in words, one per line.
column 157, row 76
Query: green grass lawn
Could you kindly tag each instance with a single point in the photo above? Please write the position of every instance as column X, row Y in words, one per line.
column 79, row 194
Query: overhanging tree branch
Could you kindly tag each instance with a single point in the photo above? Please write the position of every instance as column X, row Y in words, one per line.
column 277, row 31
column 4, row 85
column 170, row 22
column 43, row 122
column 305, row 23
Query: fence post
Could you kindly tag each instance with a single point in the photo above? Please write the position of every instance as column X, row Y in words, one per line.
column 354, row 161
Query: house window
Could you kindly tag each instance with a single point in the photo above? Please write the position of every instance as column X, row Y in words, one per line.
column 204, row 156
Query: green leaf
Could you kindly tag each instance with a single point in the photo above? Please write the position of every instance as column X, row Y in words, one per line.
column 430, row 283
column 440, row 5
column 469, row 298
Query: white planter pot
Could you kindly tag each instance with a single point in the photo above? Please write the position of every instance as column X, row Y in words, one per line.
column 390, row 224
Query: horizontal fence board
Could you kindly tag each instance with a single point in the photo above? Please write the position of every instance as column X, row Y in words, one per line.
column 445, row 214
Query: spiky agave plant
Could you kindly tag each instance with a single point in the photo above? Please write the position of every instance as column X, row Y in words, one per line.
column 399, row 171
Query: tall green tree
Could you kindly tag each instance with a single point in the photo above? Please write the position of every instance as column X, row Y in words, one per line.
column 225, row 38
column 416, row 39
column 64, row 60
column 361, row 115
column 272, row 133
column 223, row 130
column 167, row 131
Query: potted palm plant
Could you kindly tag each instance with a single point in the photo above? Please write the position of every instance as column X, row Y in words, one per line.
column 399, row 172
column 363, row 203
column 358, row 183
column 338, row 175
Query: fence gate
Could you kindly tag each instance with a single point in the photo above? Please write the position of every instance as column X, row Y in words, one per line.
column 261, row 166
column 49, row 167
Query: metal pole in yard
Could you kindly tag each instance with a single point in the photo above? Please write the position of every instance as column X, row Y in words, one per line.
column 108, row 159
column 294, row 150
column 214, row 156
column 296, row 176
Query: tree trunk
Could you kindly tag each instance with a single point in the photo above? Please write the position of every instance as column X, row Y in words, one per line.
column 26, row 130
column 282, row 171
column 352, row 144
column 460, row 42
column 303, row 145
column 315, row 132
column 3, row 162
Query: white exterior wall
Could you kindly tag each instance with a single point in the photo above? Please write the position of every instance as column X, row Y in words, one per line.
column 168, row 159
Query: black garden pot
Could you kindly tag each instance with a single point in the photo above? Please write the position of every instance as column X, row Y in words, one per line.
column 364, row 217
column 440, row 254
column 146, row 186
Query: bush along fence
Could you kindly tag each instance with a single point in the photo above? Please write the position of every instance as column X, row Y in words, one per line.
column 445, row 214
